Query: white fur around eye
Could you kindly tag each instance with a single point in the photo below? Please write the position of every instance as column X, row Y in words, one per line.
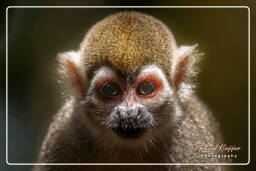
column 103, row 72
column 162, row 95
column 153, row 70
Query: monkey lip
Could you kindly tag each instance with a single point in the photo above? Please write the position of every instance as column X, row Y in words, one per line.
column 129, row 132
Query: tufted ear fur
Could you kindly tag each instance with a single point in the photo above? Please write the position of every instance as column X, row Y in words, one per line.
column 184, row 69
column 71, row 70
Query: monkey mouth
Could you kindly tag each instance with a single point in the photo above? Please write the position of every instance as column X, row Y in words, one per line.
column 129, row 132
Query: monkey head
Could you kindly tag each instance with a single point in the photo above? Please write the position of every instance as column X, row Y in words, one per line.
column 130, row 78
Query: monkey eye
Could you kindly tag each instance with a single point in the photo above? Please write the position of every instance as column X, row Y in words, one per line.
column 111, row 89
column 146, row 88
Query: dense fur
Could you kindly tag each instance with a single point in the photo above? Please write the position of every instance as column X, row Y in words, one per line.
column 127, row 43
column 70, row 141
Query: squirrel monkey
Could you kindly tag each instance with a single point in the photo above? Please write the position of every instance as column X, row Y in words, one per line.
column 130, row 99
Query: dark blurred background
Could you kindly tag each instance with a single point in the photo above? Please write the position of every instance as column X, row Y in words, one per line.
column 36, row 35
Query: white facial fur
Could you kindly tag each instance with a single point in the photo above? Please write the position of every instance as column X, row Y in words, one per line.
column 165, row 92
column 101, row 73
column 150, row 70
column 130, row 99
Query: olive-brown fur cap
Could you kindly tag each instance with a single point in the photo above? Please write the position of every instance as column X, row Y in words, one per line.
column 128, row 41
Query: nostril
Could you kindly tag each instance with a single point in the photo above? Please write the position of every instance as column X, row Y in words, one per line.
column 118, row 113
column 139, row 112
column 142, row 110
column 141, row 115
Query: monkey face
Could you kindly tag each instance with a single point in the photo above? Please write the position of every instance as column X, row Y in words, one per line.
column 124, row 110
column 120, row 106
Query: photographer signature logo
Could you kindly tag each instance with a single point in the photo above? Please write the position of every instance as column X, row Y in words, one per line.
column 218, row 150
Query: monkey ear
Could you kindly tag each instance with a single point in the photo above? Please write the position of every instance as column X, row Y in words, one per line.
column 71, row 70
column 183, row 66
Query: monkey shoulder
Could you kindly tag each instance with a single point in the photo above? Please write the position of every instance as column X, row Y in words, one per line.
column 67, row 140
column 197, row 126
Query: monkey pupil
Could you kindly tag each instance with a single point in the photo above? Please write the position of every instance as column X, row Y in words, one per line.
column 111, row 89
column 146, row 88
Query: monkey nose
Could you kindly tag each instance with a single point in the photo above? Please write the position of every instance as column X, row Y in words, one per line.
column 131, row 123
column 128, row 112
